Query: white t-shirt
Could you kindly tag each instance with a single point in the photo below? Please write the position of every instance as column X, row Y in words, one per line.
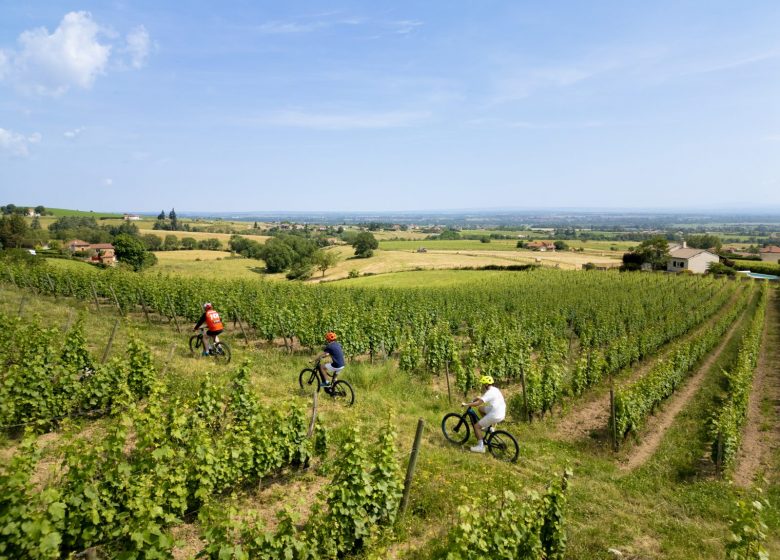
column 494, row 402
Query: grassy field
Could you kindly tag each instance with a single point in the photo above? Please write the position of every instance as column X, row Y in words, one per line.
column 667, row 509
column 199, row 235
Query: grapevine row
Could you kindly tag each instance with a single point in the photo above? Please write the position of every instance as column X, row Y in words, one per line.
column 44, row 378
column 635, row 402
column 727, row 422
column 156, row 464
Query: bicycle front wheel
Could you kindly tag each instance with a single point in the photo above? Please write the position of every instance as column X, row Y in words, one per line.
column 503, row 446
column 221, row 352
column 342, row 391
column 455, row 427
column 195, row 342
column 307, row 377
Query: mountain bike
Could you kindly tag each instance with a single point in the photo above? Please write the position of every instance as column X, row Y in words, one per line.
column 338, row 390
column 219, row 350
column 501, row 444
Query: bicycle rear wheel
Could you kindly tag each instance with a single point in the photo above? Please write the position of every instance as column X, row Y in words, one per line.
column 221, row 352
column 342, row 391
column 503, row 446
column 307, row 377
column 455, row 427
column 195, row 343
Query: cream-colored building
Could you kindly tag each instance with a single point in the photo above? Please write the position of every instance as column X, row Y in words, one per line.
column 695, row 260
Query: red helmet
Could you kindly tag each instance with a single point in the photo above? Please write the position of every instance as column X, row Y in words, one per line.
column 330, row 336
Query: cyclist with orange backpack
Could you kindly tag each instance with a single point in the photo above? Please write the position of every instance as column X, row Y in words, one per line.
column 214, row 325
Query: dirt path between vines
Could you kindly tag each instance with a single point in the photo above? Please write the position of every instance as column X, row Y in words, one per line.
column 657, row 424
column 590, row 418
column 761, row 436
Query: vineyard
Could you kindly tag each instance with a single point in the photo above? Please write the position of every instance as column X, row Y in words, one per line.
column 118, row 443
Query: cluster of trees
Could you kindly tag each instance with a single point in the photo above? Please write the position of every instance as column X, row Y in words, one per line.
column 654, row 251
column 173, row 243
column 171, row 223
column 10, row 209
column 297, row 255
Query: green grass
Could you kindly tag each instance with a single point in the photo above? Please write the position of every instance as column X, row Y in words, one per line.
column 427, row 278
column 58, row 212
column 658, row 511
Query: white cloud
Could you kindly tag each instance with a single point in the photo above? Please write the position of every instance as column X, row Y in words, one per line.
column 138, row 46
column 404, row 27
column 72, row 56
column 108, row 182
column 392, row 119
column 75, row 132
column 17, row 144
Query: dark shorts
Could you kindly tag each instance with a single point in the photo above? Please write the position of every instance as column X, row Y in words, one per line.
column 212, row 334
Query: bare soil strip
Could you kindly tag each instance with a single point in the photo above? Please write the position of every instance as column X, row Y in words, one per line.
column 761, row 436
column 590, row 417
column 656, row 425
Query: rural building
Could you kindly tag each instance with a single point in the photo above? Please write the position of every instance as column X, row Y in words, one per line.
column 97, row 253
column 770, row 254
column 77, row 245
column 540, row 246
column 685, row 258
column 131, row 217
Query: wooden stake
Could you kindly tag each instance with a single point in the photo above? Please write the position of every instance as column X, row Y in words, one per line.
column 173, row 310
column 116, row 300
column 410, row 468
column 168, row 361
column 94, row 294
column 525, row 397
column 110, row 342
column 13, row 280
column 240, row 324
column 70, row 320
column 719, row 455
column 51, row 285
column 143, row 305
column 447, row 375
column 613, row 419
column 313, row 410
column 21, row 305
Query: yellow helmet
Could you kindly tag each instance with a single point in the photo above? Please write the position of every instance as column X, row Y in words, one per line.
column 486, row 380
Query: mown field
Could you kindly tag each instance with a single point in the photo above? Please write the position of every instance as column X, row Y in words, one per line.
column 657, row 497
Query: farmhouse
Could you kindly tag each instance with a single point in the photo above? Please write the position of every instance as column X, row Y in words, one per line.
column 98, row 253
column 540, row 246
column 685, row 258
column 770, row 254
column 131, row 217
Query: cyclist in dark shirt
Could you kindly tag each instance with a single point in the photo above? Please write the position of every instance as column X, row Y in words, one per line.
column 334, row 350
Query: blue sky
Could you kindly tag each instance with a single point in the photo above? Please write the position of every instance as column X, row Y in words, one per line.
column 342, row 106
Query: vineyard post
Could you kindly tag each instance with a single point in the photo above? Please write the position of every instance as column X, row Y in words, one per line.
column 116, row 300
column 719, row 455
column 173, row 311
column 447, row 376
column 143, row 305
column 168, row 361
column 525, row 397
column 21, row 305
column 243, row 332
column 70, row 320
column 94, row 294
column 13, row 280
column 613, row 419
column 384, row 352
column 51, row 285
column 313, row 411
column 410, row 468
column 110, row 342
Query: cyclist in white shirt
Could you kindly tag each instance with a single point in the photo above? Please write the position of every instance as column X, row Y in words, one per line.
column 492, row 407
